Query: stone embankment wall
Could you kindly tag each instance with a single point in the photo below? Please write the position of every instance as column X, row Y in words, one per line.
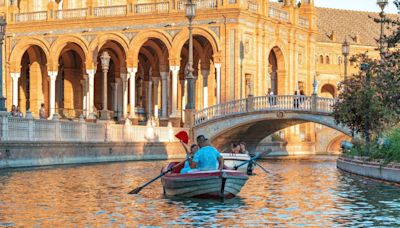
column 29, row 154
column 369, row 169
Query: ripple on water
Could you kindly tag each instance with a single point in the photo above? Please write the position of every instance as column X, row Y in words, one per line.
column 297, row 193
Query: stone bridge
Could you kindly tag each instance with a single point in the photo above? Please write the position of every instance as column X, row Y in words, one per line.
column 254, row 118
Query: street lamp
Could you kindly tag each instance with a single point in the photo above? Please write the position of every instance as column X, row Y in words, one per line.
column 2, row 33
column 190, row 13
column 105, row 65
column 382, row 4
column 345, row 52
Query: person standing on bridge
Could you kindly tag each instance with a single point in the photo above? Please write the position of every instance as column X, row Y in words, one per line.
column 207, row 157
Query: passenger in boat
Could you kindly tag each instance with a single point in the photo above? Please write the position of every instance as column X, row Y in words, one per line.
column 207, row 157
column 243, row 148
column 186, row 168
column 235, row 148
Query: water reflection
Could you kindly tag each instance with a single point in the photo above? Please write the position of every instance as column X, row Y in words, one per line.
column 306, row 192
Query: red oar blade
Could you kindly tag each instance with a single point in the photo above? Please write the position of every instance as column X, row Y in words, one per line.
column 183, row 136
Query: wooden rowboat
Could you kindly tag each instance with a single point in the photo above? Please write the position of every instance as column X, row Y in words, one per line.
column 232, row 160
column 216, row 184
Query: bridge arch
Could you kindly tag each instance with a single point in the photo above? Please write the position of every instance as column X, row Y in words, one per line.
column 254, row 119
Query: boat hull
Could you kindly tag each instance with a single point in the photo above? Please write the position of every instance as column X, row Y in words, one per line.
column 216, row 184
column 232, row 160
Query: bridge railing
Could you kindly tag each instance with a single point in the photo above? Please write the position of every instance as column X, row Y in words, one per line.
column 265, row 103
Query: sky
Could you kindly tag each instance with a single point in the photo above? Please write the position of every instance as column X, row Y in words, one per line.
column 363, row 5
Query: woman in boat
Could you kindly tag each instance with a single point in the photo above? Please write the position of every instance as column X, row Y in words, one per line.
column 235, row 148
column 186, row 168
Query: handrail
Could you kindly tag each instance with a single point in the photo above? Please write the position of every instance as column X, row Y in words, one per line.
column 301, row 103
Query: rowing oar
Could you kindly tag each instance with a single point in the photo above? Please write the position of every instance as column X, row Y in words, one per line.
column 244, row 163
column 184, row 138
column 264, row 169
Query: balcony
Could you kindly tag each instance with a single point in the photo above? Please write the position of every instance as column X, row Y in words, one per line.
column 172, row 6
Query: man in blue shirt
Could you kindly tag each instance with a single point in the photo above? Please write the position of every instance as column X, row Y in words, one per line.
column 207, row 158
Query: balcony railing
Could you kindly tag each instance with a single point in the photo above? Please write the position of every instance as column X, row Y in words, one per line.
column 71, row 14
column 146, row 8
column 252, row 6
column 110, row 11
column 200, row 4
column 303, row 22
column 31, row 16
column 278, row 14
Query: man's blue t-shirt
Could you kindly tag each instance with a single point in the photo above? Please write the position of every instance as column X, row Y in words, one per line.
column 207, row 158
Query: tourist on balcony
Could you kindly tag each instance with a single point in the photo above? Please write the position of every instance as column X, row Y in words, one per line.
column 13, row 112
column 271, row 98
column 42, row 113
column 302, row 97
column 19, row 113
column 296, row 100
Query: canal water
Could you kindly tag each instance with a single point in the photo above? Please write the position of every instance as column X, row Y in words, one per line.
column 297, row 192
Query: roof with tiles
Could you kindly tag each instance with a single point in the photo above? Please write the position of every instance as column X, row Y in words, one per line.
column 335, row 24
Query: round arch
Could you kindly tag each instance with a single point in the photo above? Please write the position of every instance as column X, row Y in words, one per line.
column 22, row 46
column 58, row 46
column 101, row 40
column 141, row 38
column 328, row 90
column 182, row 37
column 277, row 70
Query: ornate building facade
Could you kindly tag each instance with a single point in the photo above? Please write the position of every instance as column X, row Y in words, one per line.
column 53, row 55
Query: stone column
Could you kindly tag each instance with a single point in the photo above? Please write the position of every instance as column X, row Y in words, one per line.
column 205, row 74
column 90, row 98
column 132, row 87
column 114, row 97
column 124, row 79
column 174, row 109
column 118, row 87
column 164, row 78
column 15, row 77
column 155, row 81
column 85, row 93
column 52, row 99
column 218, row 75
column 149, row 100
column 183, row 89
column 105, row 65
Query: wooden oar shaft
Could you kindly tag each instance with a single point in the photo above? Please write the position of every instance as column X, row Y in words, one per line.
column 244, row 163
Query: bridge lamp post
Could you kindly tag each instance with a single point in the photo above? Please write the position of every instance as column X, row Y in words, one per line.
column 2, row 33
column 345, row 52
column 382, row 4
column 190, row 13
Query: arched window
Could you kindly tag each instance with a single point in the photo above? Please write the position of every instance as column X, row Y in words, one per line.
column 321, row 59
column 327, row 60
column 340, row 60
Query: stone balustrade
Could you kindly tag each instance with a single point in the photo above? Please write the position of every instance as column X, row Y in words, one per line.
column 311, row 104
column 39, row 130
column 70, row 14
column 278, row 14
column 132, row 9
